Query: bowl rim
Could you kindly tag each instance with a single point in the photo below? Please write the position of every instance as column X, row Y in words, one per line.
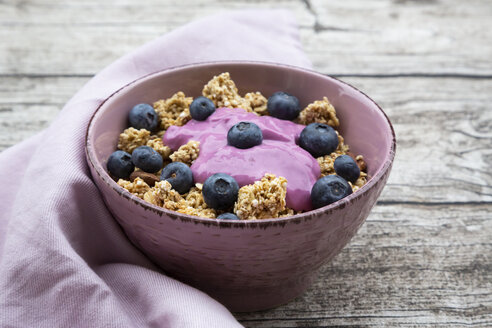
column 263, row 223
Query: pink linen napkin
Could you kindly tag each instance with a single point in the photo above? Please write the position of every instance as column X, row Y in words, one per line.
column 64, row 261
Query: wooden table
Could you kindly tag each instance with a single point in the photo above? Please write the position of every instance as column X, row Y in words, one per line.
column 424, row 256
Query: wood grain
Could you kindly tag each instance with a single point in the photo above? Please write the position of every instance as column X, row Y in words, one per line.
column 342, row 37
column 424, row 256
column 409, row 265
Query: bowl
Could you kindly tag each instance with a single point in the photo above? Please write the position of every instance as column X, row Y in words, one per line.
column 245, row 265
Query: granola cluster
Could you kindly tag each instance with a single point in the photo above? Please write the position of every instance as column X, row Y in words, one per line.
column 191, row 203
column 320, row 111
column 257, row 103
column 138, row 187
column 163, row 195
column 187, row 153
column 173, row 111
column 132, row 138
column 159, row 147
column 359, row 182
column 260, row 200
column 223, row 91
column 326, row 162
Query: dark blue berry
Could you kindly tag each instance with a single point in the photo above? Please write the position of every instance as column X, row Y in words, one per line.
column 318, row 139
column 179, row 175
column 143, row 116
column 201, row 108
column 228, row 216
column 220, row 191
column 347, row 168
column 284, row 106
column 147, row 159
column 329, row 189
column 120, row 164
column 244, row 135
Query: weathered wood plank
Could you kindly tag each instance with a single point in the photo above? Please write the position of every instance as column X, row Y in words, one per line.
column 424, row 257
column 408, row 266
column 443, row 128
column 444, row 137
column 347, row 37
column 93, row 35
column 397, row 36
column 28, row 105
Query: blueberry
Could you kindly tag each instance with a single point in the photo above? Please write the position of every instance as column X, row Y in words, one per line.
column 179, row 175
column 328, row 190
column 318, row 139
column 201, row 108
column 244, row 135
column 220, row 191
column 143, row 116
column 120, row 164
column 347, row 168
column 147, row 159
column 284, row 106
column 228, row 216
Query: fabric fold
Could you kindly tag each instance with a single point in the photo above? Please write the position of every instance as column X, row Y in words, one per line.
column 64, row 261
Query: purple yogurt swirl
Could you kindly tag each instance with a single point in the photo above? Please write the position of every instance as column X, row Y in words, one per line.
column 279, row 153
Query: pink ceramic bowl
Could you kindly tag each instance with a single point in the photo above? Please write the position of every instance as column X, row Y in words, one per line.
column 246, row 265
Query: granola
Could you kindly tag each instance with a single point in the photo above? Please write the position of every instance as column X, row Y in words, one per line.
column 187, row 153
column 326, row 162
column 192, row 203
column 158, row 146
column 359, row 182
column 132, row 138
column 163, row 195
column 196, row 203
column 320, row 111
column 286, row 212
column 223, row 92
column 342, row 148
column 262, row 199
column 174, row 110
column 138, row 187
column 257, row 103
column 360, row 161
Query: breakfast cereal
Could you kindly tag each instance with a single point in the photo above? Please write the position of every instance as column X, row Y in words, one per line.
column 265, row 197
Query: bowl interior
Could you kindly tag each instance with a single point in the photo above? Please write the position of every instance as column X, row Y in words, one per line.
column 363, row 125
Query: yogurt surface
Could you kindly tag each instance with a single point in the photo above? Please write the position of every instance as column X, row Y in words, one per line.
column 278, row 154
